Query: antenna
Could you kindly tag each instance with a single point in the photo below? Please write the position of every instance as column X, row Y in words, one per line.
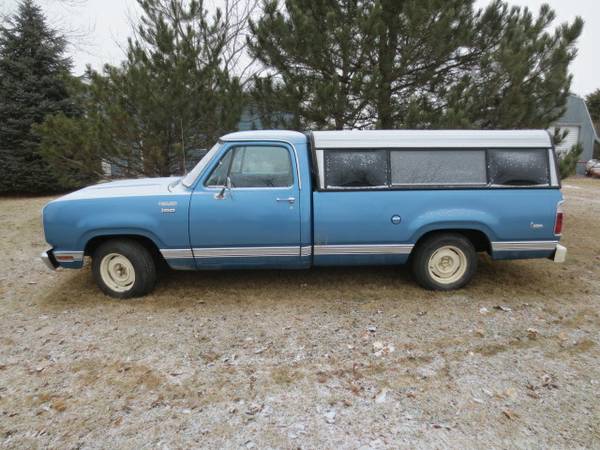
column 183, row 149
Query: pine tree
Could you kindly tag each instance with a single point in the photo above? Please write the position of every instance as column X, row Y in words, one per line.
column 33, row 84
column 521, row 77
column 593, row 103
column 567, row 164
column 316, row 53
column 69, row 143
column 421, row 47
column 174, row 80
column 171, row 95
column 413, row 63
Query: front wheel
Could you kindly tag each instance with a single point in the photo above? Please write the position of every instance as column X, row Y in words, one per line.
column 124, row 268
column 444, row 262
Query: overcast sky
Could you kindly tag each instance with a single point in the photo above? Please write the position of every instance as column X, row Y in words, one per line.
column 99, row 31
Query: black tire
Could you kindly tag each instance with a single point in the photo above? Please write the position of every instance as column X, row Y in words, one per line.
column 451, row 244
column 138, row 257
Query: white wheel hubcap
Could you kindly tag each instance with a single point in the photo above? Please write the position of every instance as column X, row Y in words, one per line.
column 447, row 264
column 117, row 272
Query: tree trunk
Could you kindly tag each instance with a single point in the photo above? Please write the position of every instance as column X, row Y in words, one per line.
column 387, row 53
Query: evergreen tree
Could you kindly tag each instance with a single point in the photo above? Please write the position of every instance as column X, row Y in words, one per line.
column 567, row 164
column 593, row 103
column 33, row 84
column 521, row 77
column 316, row 52
column 69, row 144
column 413, row 63
column 421, row 47
column 170, row 96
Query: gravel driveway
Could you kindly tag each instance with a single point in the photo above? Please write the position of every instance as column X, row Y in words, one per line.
column 327, row 358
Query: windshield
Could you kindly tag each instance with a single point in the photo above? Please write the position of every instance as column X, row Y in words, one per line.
column 189, row 179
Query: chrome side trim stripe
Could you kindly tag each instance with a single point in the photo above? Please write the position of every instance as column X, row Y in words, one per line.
column 380, row 249
column 67, row 256
column 321, row 250
column 245, row 252
column 306, row 250
column 177, row 253
column 523, row 246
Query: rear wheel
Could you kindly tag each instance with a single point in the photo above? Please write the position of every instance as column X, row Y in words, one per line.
column 124, row 268
column 444, row 262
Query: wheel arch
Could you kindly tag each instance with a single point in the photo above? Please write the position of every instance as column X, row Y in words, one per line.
column 477, row 236
column 94, row 242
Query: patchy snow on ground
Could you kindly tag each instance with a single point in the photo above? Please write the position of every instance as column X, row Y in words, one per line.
column 325, row 358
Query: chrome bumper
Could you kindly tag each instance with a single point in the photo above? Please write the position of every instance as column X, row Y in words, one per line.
column 560, row 254
column 49, row 260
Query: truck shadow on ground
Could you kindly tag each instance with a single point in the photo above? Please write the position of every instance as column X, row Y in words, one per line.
column 509, row 281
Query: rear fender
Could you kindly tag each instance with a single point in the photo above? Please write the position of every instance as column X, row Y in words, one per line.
column 455, row 219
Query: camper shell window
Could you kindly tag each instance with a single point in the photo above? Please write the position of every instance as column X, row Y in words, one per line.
column 433, row 168
column 356, row 169
column 518, row 168
column 438, row 167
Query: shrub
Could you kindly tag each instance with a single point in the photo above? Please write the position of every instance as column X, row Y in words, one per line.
column 567, row 163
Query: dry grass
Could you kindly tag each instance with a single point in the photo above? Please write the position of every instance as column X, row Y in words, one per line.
column 231, row 359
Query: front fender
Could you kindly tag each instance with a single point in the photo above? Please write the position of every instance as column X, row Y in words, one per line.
column 116, row 232
column 69, row 225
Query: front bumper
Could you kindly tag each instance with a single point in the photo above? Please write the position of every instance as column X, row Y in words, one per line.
column 560, row 254
column 49, row 260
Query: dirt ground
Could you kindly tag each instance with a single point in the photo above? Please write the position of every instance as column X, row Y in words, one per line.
column 335, row 358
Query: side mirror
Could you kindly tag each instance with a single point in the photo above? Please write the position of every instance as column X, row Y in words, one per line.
column 227, row 187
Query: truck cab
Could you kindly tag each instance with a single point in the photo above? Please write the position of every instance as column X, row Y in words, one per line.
column 251, row 206
column 284, row 199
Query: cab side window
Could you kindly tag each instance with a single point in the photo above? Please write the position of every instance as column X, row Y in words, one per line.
column 254, row 166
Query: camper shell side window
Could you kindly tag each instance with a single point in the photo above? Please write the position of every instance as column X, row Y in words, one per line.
column 368, row 168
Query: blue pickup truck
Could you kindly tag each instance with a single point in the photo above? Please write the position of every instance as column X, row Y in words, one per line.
column 283, row 199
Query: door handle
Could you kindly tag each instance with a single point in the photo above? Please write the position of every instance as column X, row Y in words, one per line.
column 290, row 200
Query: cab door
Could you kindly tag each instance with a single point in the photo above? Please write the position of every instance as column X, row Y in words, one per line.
column 244, row 211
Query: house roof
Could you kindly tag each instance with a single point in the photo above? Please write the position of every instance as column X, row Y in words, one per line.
column 432, row 139
column 577, row 113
